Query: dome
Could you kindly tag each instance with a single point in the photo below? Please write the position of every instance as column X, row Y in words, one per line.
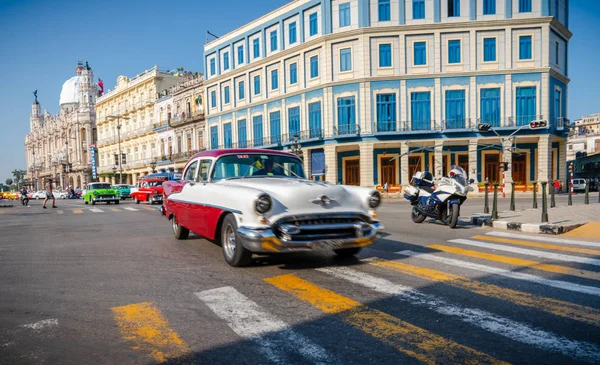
column 70, row 91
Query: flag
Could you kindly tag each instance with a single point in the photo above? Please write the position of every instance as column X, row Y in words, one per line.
column 101, row 85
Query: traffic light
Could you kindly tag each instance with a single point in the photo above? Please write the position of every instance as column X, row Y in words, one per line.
column 538, row 124
column 123, row 158
column 483, row 127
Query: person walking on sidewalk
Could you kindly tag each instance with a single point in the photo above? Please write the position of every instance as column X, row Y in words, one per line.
column 49, row 195
column 556, row 186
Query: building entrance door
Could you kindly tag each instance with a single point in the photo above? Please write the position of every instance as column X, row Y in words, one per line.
column 352, row 172
column 388, row 171
column 492, row 166
column 519, row 175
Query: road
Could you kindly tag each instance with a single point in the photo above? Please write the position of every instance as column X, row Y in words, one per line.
column 109, row 285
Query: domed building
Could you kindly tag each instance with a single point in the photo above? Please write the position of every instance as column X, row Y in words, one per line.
column 58, row 146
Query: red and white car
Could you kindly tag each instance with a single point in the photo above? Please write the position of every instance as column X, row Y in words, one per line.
column 259, row 201
column 148, row 190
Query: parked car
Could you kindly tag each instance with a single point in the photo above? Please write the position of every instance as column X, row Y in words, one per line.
column 149, row 190
column 58, row 194
column 259, row 201
column 100, row 192
column 124, row 191
column 579, row 184
column 40, row 194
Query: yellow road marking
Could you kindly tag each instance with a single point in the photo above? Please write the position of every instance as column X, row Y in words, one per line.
column 556, row 307
column 405, row 337
column 148, row 208
column 588, row 230
column 144, row 325
column 519, row 262
column 539, row 245
column 77, row 211
column 115, row 209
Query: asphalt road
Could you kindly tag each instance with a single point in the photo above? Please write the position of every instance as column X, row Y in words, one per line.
column 109, row 285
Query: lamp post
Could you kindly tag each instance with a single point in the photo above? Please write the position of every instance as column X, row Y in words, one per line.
column 114, row 170
column 153, row 166
column 85, row 171
column 296, row 148
column 118, row 118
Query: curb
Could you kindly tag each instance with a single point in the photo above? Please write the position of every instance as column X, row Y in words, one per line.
column 539, row 228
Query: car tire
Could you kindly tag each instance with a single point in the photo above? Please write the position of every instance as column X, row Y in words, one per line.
column 85, row 202
column 179, row 231
column 117, row 202
column 347, row 252
column 93, row 202
column 234, row 253
column 135, row 199
column 37, row 198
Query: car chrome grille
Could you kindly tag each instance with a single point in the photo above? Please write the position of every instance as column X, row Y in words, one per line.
column 321, row 227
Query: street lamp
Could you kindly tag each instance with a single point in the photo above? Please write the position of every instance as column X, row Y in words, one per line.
column 153, row 165
column 296, row 148
column 118, row 118
column 114, row 170
column 85, row 171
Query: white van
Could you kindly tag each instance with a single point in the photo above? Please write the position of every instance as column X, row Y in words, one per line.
column 578, row 184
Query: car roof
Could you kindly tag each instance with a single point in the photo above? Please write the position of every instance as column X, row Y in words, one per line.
column 228, row 151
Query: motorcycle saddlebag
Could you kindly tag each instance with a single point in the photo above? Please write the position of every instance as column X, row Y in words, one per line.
column 411, row 193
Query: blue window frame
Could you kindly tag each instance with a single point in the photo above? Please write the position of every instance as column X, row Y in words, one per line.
column 292, row 32
column 556, row 53
column 557, row 105
column 227, row 136
column 525, row 47
column 489, row 49
column 213, row 67
column 257, row 130
column 226, row 61
column 556, row 9
column 346, row 118
column 214, row 137
column 313, row 24
column 213, row 99
column 314, row 120
column 293, row 122
column 240, row 54
column 293, row 74
column 455, row 109
column 385, row 55
column 256, row 47
column 383, row 10
column 345, row 59
column 524, row 6
column 275, row 123
column 489, row 7
column 256, row 85
column 344, row 14
column 226, row 94
column 490, row 106
column 420, row 53
column 314, row 66
column 420, row 110
column 274, row 41
column 386, row 112
column 526, row 105
column 453, row 8
column 241, row 91
column 242, row 137
column 274, row 80
column 418, row 9
column 454, row 51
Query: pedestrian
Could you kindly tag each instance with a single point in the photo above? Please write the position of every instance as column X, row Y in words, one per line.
column 556, row 186
column 49, row 195
column 385, row 188
column 487, row 180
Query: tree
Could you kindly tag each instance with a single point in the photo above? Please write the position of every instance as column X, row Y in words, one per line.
column 9, row 181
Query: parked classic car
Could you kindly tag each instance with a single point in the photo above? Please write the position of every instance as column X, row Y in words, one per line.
column 149, row 190
column 40, row 194
column 100, row 192
column 124, row 190
column 259, row 201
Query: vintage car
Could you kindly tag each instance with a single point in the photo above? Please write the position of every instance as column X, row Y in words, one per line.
column 100, row 192
column 259, row 201
column 124, row 191
column 149, row 190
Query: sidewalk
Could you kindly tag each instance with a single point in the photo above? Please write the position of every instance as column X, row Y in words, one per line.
column 560, row 219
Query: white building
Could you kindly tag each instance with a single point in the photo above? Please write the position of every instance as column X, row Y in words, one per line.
column 361, row 81
column 584, row 137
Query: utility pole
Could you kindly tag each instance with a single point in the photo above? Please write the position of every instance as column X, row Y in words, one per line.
column 118, row 118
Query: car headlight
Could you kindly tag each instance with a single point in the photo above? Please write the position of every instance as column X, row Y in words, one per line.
column 375, row 200
column 263, row 204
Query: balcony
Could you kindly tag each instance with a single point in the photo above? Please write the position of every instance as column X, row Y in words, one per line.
column 186, row 118
column 256, row 143
column 346, row 130
column 521, row 120
column 316, row 133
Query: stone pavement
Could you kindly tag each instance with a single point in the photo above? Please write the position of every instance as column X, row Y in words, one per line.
column 560, row 219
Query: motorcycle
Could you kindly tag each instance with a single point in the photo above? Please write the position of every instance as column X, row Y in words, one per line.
column 25, row 200
column 442, row 203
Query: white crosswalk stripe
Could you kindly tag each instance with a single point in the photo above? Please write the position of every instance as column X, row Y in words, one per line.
column 506, row 273
column 131, row 209
column 488, row 321
column 528, row 252
column 96, row 210
column 274, row 337
column 544, row 239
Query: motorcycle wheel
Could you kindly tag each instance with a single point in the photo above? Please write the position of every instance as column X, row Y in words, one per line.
column 453, row 215
column 416, row 216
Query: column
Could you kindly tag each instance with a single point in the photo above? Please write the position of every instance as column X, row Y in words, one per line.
column 562, row 160
column 404, row 177
column 306, row 162
column 473, row 160
column 366, row 164
column 331, row 164
column 438, row 160
column 508, row 105
column 544, row 162
column 507, row 157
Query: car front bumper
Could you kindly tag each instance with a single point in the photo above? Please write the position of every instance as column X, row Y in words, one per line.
column 102, row 199
column 265, row 241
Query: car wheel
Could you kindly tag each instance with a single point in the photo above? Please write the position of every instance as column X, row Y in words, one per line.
column 235, row 254
column 347, row 252
column 85, row 201
column 179, row 232
column 93, row 202
column 135, row 199
column 37, row 198
column 117, row 202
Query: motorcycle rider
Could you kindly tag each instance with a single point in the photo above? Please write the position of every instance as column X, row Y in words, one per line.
column 24, row 198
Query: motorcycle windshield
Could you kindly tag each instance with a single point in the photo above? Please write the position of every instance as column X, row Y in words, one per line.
column 459, row 175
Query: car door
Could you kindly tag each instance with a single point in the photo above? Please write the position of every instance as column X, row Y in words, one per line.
column 184, row 208
column 198, row 192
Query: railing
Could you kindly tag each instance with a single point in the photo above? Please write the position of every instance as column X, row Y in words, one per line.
column 562, row 123
column 459, row 123
column 521, row 120
column 346, row 130
column 258, row 142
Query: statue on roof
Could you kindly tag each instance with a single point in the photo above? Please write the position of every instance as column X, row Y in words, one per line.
column 35, row 96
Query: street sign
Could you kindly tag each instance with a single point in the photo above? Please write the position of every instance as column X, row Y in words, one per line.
column 93, row 158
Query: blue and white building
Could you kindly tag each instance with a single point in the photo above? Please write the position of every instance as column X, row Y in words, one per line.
column 361, row 81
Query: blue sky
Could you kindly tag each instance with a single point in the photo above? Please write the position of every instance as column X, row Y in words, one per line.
column 41, row 42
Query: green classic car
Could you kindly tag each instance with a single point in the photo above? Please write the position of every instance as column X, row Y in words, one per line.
column 100, row 192
column 124, row 190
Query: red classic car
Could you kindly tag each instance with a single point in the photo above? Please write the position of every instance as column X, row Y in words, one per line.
column 148, row 190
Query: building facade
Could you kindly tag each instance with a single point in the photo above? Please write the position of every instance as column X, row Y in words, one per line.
column 126, row 125
column 58, row 146
column 363, row 81
column 584, row 137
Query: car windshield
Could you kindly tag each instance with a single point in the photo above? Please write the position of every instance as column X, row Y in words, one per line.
column 252, row 165
column 99, row 186
column 149, row 184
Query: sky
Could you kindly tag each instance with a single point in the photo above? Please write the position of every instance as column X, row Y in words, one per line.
column 41, row 42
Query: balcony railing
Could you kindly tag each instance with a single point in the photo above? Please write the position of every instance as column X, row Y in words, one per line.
column 346, row 130
column 260, row 142
column 521, row 120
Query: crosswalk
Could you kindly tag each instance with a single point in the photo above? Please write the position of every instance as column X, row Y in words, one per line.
column 87, row 209
column 443, row 281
